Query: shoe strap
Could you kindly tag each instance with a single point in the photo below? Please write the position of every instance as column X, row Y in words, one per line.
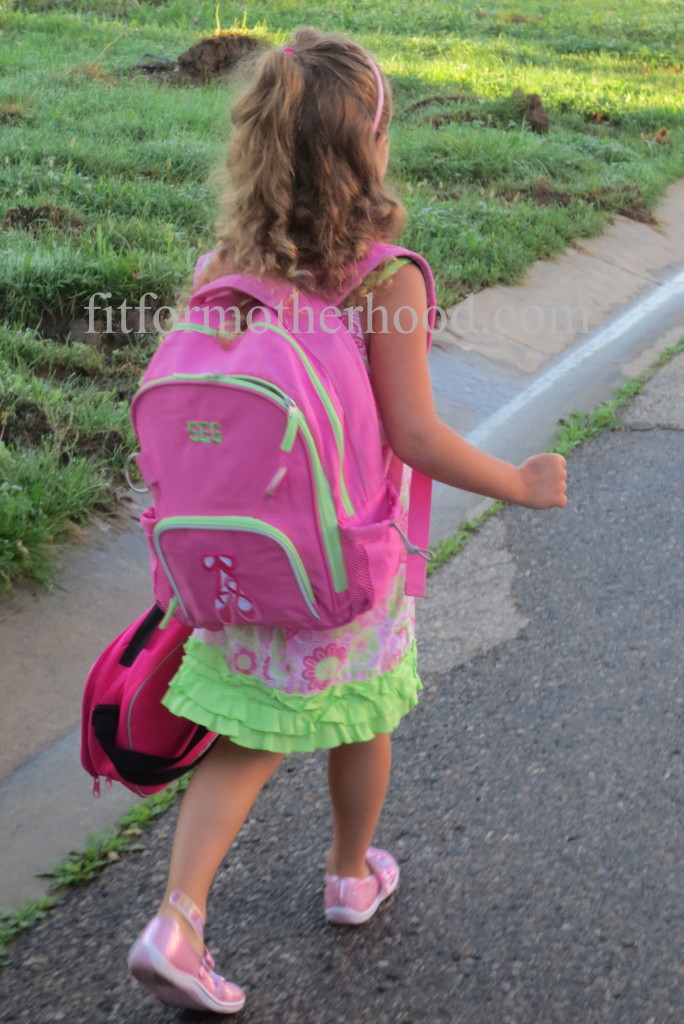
column 184, row 905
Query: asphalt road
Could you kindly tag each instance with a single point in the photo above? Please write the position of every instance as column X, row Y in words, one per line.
column 535, row 808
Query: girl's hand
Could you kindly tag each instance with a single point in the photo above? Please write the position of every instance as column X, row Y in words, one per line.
column 544, row 482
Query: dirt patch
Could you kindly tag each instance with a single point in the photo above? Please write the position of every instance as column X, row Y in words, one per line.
column 620, row 200
column 533, row 110
column 623, row 200
column 12, row 112
column 27, row 425
column 39, row 218
column 215, row 56
column 505, row 112
column 212, row 57
column 513, row 18
column 101, row 444
column 542, row 194
column 638, row 212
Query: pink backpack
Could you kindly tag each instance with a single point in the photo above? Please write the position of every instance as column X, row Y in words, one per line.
column 264, row 458
column 127, row 734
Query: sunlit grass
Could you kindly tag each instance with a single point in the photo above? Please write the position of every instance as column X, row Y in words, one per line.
column 128, row 161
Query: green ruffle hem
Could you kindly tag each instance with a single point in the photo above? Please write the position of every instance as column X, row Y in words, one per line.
column 257, row 716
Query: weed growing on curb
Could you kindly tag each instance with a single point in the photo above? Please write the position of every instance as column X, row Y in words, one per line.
column 582, row 426
column 14, row 922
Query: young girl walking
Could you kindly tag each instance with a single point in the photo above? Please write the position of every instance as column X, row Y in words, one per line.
column 305, row 203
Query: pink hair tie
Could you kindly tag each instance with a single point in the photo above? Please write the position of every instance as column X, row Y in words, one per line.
column 381, row 94
column 288, row 49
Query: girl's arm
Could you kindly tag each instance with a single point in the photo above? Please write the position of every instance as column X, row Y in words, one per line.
column 403, row 391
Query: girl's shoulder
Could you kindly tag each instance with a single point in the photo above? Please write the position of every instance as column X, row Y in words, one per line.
column 397, row 284
column 386, row 270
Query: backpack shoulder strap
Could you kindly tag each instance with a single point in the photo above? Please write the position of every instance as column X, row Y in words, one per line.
column 380, row 253
column 420, row 496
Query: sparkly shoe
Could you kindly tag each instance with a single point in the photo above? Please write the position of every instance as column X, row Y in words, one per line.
column 162, row 959
column 355, row 900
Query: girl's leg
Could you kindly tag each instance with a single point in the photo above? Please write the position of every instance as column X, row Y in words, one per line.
column 358, row 775
column 216, row 803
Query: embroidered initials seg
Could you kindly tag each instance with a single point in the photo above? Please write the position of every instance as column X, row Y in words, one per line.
column 200, row 430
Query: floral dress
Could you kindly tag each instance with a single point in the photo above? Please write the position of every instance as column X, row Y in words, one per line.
column 286, row 690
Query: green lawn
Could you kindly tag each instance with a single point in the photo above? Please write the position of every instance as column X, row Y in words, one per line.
column 125, row 161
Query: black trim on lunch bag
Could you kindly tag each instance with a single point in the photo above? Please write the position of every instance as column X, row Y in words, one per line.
column 141, row 636
column 136, row 768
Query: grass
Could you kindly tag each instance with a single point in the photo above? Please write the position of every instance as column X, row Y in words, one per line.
column 106, row 183
column 64, row 437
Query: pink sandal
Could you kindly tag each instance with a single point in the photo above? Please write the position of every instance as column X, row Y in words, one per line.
column 355, row 900
column 162, row 959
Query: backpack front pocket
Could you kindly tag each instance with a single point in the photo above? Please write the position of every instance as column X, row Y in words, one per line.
column 227, row 570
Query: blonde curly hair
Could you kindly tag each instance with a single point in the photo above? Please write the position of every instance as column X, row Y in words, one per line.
column 304, row 197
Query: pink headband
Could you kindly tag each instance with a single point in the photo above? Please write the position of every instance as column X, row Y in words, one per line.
column 381, row 94
column 378, row 82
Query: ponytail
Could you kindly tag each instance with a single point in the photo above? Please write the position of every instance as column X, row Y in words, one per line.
column 304, row 198
column 261, row 162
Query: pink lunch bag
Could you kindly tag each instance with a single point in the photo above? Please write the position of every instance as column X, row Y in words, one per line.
column 127, row 734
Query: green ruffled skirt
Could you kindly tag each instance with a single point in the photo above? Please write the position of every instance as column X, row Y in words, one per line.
column 255, row 715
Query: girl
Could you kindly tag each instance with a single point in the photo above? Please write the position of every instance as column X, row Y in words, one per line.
column 307, row 159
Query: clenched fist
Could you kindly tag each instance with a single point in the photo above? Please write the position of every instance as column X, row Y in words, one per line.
column 543, row 481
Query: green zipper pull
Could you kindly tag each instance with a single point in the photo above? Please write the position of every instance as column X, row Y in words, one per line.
column 291, row 427
column 173, row 604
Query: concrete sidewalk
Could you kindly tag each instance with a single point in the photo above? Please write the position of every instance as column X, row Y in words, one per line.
column 536, row 802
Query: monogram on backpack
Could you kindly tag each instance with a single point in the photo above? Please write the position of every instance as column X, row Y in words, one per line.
column 264, row 458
